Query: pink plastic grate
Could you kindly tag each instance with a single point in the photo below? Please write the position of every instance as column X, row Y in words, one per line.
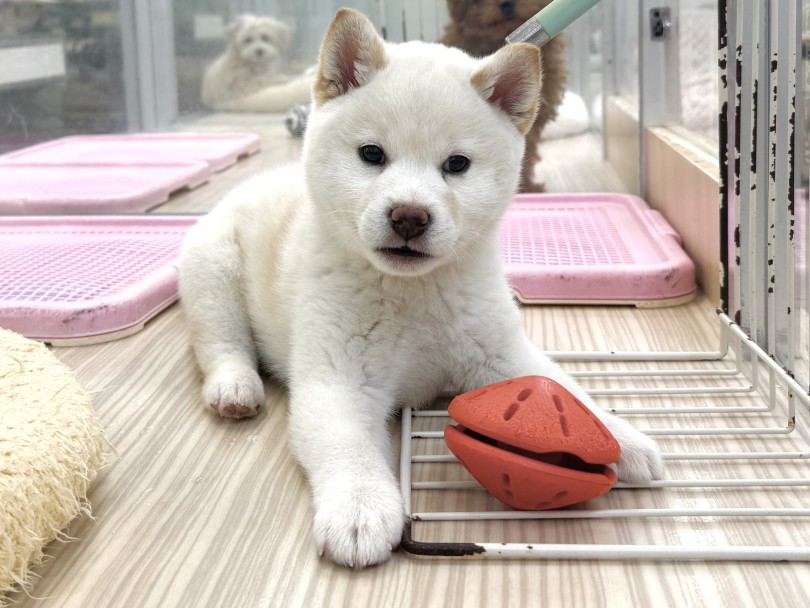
column 556, row 237
column 71, row 188
column 593, row 248
column 218, row 150
column 66, row 278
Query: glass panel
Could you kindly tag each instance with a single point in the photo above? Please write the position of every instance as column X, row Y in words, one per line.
column 584, row 58
column 98, row 66
column 620, row 46
column 203, row 30
column 61, row 71
column 697, row 43
column 625, row 24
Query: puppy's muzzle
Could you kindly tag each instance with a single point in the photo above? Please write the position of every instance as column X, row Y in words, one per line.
column 409, row 221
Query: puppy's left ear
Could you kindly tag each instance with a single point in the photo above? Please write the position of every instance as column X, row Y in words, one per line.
column 351, row 54
column 510, row 80
column 233, row 29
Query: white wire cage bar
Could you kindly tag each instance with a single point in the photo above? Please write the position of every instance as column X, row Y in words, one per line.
column 734, row 422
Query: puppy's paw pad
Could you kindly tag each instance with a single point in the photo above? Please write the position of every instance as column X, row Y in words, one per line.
column 359, row 528
column 235, row 394
column 235, row 410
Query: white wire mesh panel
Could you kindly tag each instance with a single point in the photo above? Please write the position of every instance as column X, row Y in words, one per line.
column 737, row 485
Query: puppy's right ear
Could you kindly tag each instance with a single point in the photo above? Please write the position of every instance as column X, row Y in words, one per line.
column 351, row 54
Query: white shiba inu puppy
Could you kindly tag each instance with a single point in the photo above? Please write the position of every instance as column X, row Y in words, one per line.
column 369, row 276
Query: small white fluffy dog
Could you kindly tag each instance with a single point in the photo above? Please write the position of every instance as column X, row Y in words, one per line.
column 369, row 277
column 248, row 67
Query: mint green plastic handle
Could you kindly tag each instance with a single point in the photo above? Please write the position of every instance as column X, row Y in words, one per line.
column 561, row 13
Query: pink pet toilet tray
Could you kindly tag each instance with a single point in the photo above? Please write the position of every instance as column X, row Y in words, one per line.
column 593, row 249
column 217, row 150
column 79, row 280
column 114, row 173
column 97, row 188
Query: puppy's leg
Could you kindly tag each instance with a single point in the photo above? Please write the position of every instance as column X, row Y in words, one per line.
column 339, row 436
column 640, row 461
column 213, row 301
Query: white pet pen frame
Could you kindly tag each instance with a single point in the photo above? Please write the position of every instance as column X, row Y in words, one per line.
column 749, row 380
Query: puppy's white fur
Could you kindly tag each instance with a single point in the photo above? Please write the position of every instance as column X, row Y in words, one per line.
column 244, row 77
column 290, row 270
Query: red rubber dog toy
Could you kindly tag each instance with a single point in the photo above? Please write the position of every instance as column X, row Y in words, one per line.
column 532, row 444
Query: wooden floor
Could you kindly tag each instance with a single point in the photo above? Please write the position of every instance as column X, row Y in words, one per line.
column 201, row 511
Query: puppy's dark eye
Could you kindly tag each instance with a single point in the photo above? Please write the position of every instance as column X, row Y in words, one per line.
column 265, row 38
column 248, row 40
column 456, row 164
column 372, row 154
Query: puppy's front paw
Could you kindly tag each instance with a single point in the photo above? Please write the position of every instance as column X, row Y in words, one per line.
column 359, row 524
column 641, row 460
column 234, row 393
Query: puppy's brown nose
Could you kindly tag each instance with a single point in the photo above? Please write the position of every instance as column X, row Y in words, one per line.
column 409, row 221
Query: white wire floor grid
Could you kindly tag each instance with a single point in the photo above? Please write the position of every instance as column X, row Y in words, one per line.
column 737, row 484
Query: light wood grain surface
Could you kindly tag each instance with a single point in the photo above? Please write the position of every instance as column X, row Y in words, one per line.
column 201, row 511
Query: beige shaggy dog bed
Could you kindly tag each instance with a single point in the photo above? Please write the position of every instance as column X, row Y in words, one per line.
column 51, row 447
